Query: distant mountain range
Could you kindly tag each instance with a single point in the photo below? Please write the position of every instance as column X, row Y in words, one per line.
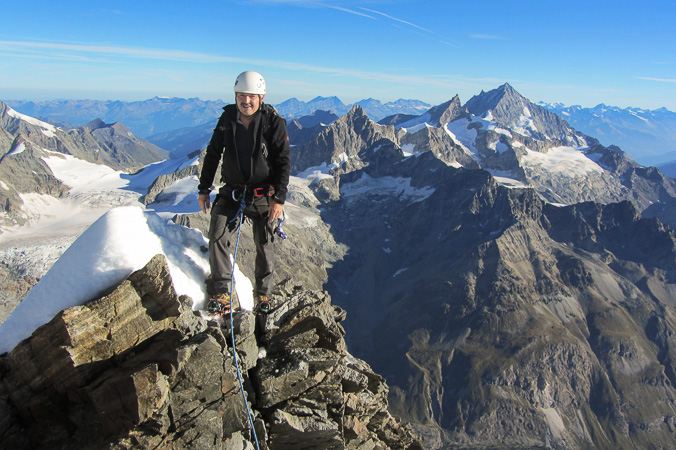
column 376, row 110
column 649, row 136
column 161, row 114
column 144, row 118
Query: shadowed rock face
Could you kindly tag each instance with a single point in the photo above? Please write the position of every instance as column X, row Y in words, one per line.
column 498, row 318
column 138, row 369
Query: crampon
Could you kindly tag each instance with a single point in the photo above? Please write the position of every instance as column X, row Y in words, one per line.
column 262, row 305
column 219, row 305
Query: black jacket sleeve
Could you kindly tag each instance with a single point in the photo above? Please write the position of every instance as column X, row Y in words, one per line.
column 212, row 158
column 280, row 159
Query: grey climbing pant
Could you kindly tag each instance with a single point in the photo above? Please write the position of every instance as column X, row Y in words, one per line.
column 223, row 237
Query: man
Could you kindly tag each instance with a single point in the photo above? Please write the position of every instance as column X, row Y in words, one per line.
column 251, row 140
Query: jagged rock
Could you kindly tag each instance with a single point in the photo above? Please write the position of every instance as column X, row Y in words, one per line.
column 448, row 112
column 138, row 369
column 341, row 141
column 154, row 193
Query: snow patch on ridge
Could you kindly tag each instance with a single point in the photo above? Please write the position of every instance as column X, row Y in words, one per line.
column 47, row 129
column 371, row 186
column 83, row 176
column 525, row 125
column 318, row 172
column 507, row 179
column 19, row 148
column 567, row 161
column 409, row 150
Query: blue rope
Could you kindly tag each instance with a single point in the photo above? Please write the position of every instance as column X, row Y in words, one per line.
column 240, row 216
column 242, row 206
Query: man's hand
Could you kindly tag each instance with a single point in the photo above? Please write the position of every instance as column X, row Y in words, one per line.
column 275, row 211
column 204, row 201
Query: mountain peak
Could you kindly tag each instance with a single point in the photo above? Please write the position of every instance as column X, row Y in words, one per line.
column 447, row 112
column 357, row 111
column 507, row 107
column 507, row 88
column 503, row 96
column 95, row 124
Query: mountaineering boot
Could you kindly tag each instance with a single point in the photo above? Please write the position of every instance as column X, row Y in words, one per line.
column 262, row 304
column 219, row 304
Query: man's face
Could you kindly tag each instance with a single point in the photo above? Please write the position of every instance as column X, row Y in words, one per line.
column 248, row 104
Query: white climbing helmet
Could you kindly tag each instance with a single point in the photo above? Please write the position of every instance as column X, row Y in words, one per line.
column 250, row 82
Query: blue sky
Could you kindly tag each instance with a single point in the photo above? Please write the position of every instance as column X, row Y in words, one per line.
column 588, row 52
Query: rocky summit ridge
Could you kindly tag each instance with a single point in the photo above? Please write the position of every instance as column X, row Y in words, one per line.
column 138, row 368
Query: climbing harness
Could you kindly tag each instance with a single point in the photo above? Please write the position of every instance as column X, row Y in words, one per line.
column 240, row 216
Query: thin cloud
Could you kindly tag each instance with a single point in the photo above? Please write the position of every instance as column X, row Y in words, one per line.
column 368, row 13
column 350, row 11
column 396, row 19
column 492, row 37
column 129, row 52
column 316, row 4
column 662, row 80
column 45, row 50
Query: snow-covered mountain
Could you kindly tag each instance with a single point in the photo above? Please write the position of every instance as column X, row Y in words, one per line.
column 649, row 136
column 31, row 151
column 54, row 185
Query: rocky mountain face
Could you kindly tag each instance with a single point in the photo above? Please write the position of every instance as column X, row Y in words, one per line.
column 138, row 368
column 507, row 300
column 342, row 142
column 499, row 318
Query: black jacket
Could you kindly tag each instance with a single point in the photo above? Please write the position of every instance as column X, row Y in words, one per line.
column 270, row 163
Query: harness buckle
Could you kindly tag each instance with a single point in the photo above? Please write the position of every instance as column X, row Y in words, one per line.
column 265, row 191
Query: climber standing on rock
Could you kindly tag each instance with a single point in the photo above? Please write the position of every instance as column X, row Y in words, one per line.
column 251, row 141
